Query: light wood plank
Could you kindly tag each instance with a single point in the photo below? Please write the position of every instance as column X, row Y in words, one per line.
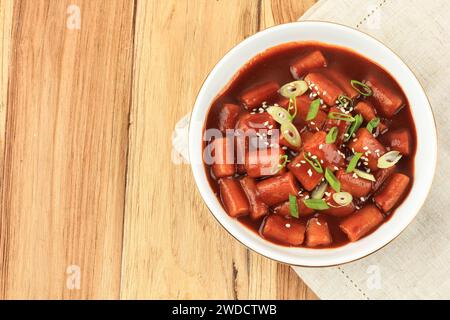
column 67, row 131
column 173, row 247
column 6, row 13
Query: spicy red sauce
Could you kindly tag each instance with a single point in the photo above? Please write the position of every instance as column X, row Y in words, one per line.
column 274, row 65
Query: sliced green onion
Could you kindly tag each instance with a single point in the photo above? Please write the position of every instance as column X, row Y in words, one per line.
column 364, row 175
column 354, row 162
column 342, row 198
column 389, row 159
column 294, row 89
column 355, row 126
column 316, row 204
column 279, row 114
column 341, row 116
column 293, row 206
column 332, row 180
column 314, row 163
column 345, row 101
column 292, row 104
column 290, row 133
column 362, row 88
column 313, row 110
column 319, row 191
column 332, row 135
column 373, row 124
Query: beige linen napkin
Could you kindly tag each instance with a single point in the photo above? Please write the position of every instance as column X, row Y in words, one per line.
column 416, row 265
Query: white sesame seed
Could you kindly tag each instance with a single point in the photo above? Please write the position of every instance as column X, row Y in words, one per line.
column 288, row 225
column 297, row 165
column 365, row 148
column 309, row 172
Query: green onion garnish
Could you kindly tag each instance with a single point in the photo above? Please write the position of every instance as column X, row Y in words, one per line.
column 389, row 159
column 362, row 88
column 316, row 204
column 319, row 191
column 364, row 175
column 345, row 101
column 373, row 124
column 285, row 160
column 293, row 206
column 332, row 135
column 290, row 133
column 342, row 198
column 292, row 104
column 341, row 116
column 354, row 162
column 313, row 110
column 355, row 126
column 294, row 89
column 279, row 114
column 314, row 162
column 332, row 180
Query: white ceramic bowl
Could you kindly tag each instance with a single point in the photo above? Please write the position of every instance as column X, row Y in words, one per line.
column 425, row 159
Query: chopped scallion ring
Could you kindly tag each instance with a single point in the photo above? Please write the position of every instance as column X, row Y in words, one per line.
column 364, row 175
column 373, row 124
column 362, row 88
column 342, row 198
column 332, row 135
column 314, row 162
column 293, row 207
column 332, row 180
column 355, row 126
column 389, row 159
column 345, row 101
column 279, row 114
column 354, row 162
column 313, row 110
column 316, row 204
column 290, row 133
column 294, row 89
column 319, row 191
column 292, row 104
column 341, row 116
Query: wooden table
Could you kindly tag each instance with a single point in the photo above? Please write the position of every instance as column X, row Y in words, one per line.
column 91, row 204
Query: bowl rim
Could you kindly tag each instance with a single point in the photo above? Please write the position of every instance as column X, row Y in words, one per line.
column 202, row 187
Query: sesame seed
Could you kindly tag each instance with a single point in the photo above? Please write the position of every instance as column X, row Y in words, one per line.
column 365, row 148
column 298, row 165
column 309, row 172
column 266, row 123
column 288, row 225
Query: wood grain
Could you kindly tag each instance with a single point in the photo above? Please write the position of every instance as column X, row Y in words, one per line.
column 173, row 248
column 85, row 151
column 66, row 142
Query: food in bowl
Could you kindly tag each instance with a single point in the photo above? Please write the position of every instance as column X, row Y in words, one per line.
column 310, row 145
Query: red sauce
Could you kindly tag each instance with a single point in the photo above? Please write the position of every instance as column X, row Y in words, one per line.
column 274, row 65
